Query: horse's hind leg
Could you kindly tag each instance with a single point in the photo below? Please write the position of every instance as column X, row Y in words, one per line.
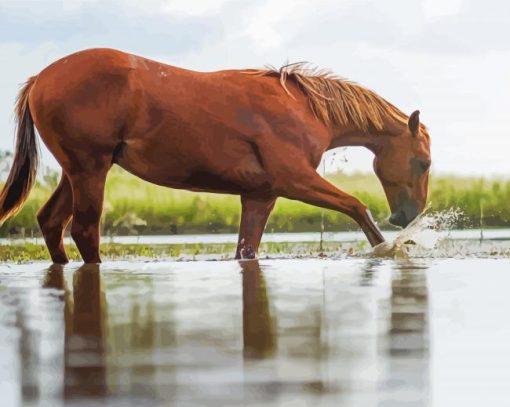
column 53, row 218
column 88, row 194
column 253, row 221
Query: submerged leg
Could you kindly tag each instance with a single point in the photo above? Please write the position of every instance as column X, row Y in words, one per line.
column 53, row 218
column 253, row 221
column 311, row 188
column 88, row 194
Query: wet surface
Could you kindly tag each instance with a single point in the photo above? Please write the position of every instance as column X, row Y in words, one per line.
column 502, row 234
column 351, row 332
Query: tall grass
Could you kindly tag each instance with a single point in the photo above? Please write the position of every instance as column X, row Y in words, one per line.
column 133, row 206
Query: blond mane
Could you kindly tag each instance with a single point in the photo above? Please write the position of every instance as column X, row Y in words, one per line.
column 334, row 100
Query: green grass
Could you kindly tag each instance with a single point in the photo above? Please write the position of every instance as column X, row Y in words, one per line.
column 133, row 206
column 28, row 252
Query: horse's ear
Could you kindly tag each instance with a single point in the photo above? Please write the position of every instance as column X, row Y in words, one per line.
column 414, row 122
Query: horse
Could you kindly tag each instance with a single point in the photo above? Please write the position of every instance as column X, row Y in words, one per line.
column 256, row 133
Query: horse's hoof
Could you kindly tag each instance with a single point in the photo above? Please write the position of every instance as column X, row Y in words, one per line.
column 248, row 253
column 383, row 249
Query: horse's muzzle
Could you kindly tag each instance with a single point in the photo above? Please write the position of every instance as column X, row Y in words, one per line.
column 404, row 215
column 399, row 219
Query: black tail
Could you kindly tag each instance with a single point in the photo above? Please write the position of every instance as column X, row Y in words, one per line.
column 26, row 159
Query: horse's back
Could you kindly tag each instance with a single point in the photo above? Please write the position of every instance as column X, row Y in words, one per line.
column 104, row 91
column 166, row 124
column 94, row 90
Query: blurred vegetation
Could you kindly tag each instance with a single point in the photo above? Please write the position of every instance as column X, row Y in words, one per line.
column 133, row 206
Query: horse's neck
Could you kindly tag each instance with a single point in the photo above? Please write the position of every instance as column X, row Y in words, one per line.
column 351, row 136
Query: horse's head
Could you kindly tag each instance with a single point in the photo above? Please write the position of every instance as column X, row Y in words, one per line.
column 402, row 165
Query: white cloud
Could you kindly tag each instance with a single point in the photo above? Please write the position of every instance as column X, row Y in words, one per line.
column 179, row 8
column 440, row 8
column 268, row 25
column 19, row 62
column 75, row 5
column 399, row 49
column 192, row 7
column 271, row 24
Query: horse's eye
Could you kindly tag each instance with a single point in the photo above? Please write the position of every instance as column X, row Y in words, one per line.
column 425, row 165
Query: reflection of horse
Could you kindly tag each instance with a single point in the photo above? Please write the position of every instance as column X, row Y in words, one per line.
column 257, row 134
column 85, row 372
column 258, row 334
column 54, row 278
column 409, row 306
column 408, row 338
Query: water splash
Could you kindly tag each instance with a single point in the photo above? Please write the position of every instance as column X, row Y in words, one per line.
column 424, row 232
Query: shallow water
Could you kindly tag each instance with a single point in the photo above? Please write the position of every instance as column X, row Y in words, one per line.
column 350, row 332
column 430, row 237
column 465, row 234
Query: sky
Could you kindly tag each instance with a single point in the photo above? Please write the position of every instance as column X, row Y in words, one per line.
column 448, row 58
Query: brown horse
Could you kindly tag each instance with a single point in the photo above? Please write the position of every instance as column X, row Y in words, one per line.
column 259, row 134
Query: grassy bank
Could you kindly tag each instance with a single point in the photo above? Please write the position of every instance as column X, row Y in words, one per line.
column 28, row 252
column 133, row 206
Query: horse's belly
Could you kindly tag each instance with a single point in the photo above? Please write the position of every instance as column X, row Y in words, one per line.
column 169, row 168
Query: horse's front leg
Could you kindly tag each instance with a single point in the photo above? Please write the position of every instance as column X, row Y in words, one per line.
column 255, row 212
column 308, row 186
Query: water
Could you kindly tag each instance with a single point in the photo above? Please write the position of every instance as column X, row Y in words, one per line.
column 465, row 234
column 430, row 243
column 399, row 326
column 351, row 332
column 424, row 232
